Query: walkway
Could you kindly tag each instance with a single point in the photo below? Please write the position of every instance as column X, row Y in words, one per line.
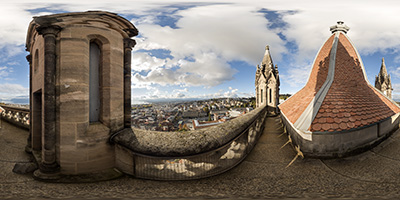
column 262, row 174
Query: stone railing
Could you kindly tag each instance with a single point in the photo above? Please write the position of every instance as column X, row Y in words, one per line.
column 188, row 155
column 16, row 115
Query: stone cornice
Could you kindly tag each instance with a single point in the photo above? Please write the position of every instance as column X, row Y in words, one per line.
column 129, row 43
column 131, row 32
column 51, row 29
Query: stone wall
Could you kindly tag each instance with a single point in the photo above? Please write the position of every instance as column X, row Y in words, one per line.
column 83, row 145
column 15, row 115
column 339, row 144
column 188, row 155
column 59, row 47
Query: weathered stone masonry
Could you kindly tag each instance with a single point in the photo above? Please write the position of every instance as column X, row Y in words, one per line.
column 60, row 49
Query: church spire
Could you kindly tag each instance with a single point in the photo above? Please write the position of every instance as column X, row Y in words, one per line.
column 382, row 81
column 383, row 71
column 267, row 60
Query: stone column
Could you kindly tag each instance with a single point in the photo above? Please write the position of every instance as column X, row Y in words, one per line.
column 49, row 164
column 128, row 45
column 28, row 147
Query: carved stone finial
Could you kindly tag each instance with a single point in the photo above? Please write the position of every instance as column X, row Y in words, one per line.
column 267, row 47
column 340, row 26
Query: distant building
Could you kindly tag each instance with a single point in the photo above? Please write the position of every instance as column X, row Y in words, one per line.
column 382, row 81
column 219, row 114
column 193, row 114
column 235, row 113
column 200, row 125
column 267, row 83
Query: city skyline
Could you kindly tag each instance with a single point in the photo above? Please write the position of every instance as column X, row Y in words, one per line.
column 211, row 49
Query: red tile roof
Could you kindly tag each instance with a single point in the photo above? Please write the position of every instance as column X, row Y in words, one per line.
column 292, row 108
column 350, row 102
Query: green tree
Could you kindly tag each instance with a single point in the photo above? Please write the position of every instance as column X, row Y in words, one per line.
column 205, row 109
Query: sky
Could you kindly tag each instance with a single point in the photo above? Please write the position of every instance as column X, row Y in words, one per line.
column 208, row 48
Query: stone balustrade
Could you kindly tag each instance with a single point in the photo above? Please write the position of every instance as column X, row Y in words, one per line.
column 16, row 115
column 177, row 155
column 188, row 155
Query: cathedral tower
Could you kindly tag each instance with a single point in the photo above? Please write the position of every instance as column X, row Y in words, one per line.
column 382, row 81
column 267, row 83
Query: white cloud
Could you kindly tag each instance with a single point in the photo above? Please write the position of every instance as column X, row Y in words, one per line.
column 395, row 72
column 213, row 34
column 396, row 89
column 155, row 93
column 5, row 71
column 208, row 36
column 10, row 91
column 207, row 70
column 231, row 93
column 144, row 62
column 297, row 75
column 184, row 90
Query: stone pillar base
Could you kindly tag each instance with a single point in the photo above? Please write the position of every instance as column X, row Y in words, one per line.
column 28, row 149
column 49, row 168
column 39, row 175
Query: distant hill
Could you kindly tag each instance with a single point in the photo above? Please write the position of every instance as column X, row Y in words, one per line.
column 17, row 100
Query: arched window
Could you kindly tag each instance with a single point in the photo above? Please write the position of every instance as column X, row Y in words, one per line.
column 94, row 82
column 270, row 95
column 261, row 96
column 36, row 61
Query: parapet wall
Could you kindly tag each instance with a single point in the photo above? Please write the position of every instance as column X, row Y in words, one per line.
column 188, row 155
column 339, row 144
column 174, row 155
column 16, row 115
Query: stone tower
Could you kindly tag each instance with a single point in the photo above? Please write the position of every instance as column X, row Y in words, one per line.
column 267, row 83
column 382, row 81
column 80, row 94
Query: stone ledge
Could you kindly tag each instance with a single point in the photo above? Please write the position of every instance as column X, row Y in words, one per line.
column 103, row 175
column 184, row 143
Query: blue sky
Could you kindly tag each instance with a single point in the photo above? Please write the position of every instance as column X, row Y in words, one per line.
column 210, row 49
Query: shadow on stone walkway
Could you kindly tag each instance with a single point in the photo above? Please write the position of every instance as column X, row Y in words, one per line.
column 375, row 173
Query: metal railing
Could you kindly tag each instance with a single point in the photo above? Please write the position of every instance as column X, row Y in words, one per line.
column 16, row 115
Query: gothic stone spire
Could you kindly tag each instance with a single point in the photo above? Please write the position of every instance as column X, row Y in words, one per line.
column 383, row 71
column 267, row 60
column 382, row 81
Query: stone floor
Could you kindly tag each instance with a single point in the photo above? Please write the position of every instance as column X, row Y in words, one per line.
column 373, row 174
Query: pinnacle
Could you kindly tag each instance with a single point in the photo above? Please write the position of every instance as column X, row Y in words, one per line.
column 383, row 71
column 267, row 60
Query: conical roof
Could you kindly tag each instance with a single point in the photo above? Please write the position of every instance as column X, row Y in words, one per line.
column 267, row 60
column 337, row 96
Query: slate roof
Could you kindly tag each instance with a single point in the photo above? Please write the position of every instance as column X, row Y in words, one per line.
column 351, row 102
